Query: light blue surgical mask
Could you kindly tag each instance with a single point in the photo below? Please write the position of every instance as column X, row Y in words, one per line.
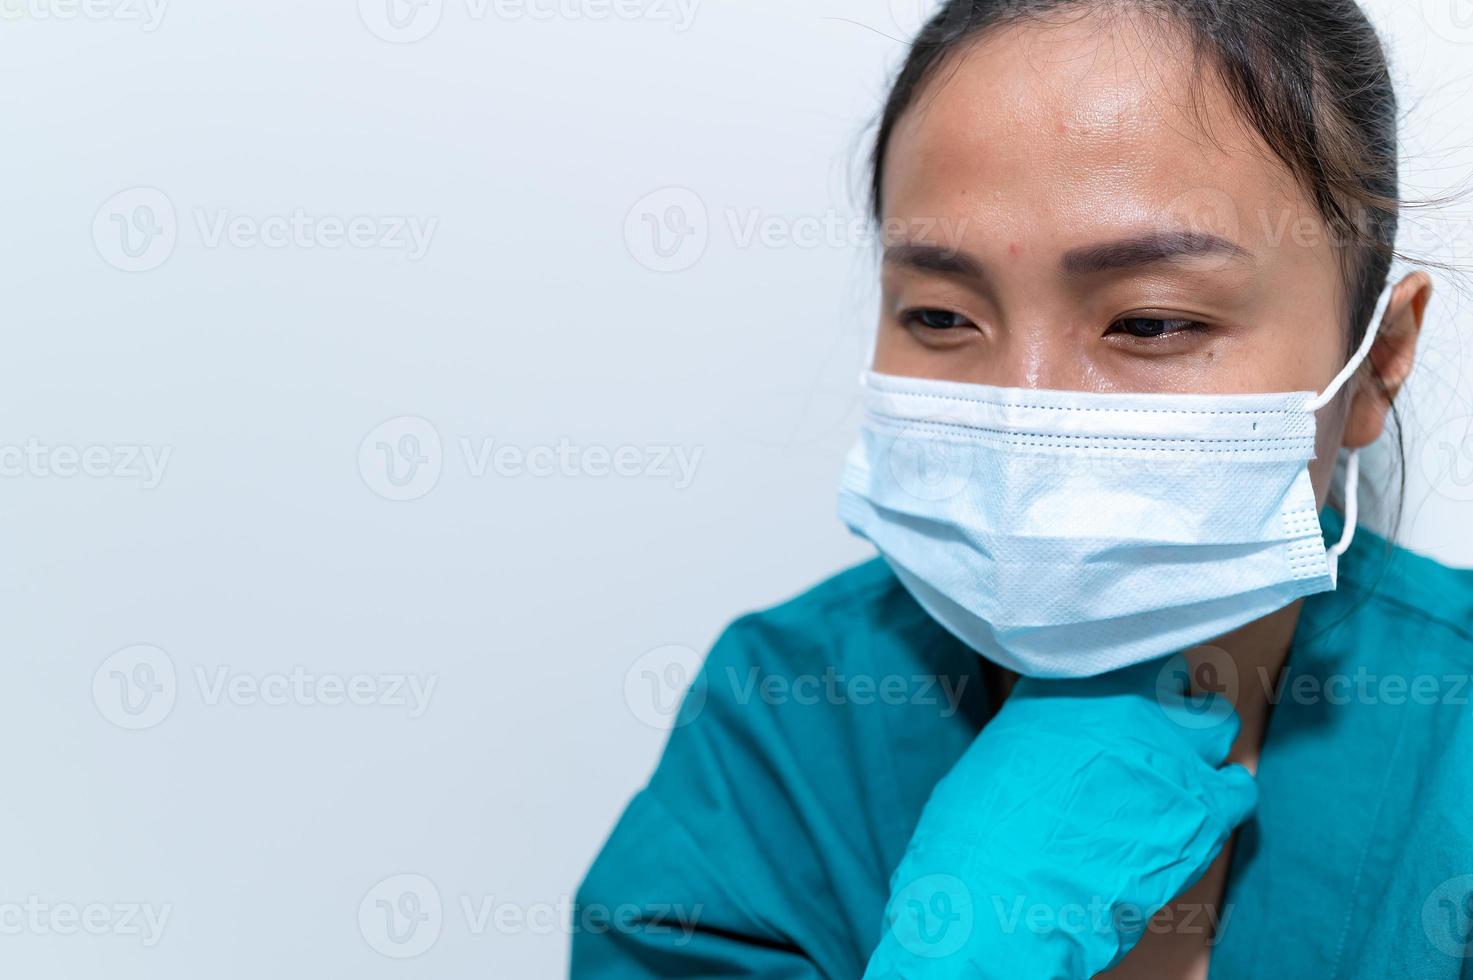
column 1070, row 533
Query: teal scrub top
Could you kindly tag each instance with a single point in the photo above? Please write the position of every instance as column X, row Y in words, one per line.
column 764, row 842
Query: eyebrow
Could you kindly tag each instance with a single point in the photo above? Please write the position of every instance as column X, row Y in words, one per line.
column 933, row 258
column 1126, row 253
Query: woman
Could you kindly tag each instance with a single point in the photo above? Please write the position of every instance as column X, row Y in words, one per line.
column 1136, row 302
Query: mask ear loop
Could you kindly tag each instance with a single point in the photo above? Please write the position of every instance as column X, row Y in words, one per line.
column 1352, row 463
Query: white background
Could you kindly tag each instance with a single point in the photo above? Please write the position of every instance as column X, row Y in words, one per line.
column 537, row 316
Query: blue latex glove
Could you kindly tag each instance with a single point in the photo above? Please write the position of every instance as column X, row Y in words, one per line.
column 1081, row 810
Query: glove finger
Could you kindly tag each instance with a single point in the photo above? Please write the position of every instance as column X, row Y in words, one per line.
column 1206, row 720
column 1235, row 795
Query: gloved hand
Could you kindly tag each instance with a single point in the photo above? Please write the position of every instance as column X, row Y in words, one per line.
column 1081, row 810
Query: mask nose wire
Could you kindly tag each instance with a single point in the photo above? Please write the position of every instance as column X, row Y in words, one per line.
column 1352, row 463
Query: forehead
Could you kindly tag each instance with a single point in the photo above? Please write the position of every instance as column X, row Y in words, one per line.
column 1076, row 125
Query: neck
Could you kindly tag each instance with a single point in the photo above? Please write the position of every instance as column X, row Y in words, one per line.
column 1249, row 660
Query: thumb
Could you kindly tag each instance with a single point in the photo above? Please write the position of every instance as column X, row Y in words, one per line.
column 1236, row 795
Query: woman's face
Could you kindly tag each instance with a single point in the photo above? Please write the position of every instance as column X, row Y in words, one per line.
column 1069, row 207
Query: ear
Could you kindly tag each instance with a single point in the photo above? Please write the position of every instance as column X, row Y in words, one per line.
column 1392, row 354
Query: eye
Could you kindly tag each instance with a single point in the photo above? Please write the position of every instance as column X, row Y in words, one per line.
column 936, row 319
column 1148, row 328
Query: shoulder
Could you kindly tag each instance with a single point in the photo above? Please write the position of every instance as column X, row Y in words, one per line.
column 855, row 641
column 828, row 717
column 829, row 617
column 1412, row 594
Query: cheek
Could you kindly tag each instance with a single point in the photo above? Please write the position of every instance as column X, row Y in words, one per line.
column 896, row 354
column 1329, row 434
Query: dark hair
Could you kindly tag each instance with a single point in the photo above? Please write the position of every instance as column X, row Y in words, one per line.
column 1310, row 76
